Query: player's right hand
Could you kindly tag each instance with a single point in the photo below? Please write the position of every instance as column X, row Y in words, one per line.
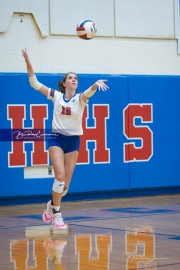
column 25, row 54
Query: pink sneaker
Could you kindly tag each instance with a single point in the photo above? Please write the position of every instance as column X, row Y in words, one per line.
column 48, row 214
column 58, row 222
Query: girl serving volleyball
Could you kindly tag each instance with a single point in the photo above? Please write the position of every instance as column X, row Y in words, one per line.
column 66, row 130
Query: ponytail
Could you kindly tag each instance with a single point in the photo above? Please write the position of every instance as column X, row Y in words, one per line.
column 61, row 87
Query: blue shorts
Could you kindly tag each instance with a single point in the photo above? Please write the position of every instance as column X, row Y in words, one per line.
column 66, row 143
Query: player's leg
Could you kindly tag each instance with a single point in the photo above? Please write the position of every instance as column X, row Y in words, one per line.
column 63, row 165
column 71, row 150
column 57, row 159
column 53, row 211
column 70, row 160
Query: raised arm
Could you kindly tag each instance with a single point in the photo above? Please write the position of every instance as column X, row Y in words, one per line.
column 92, row 89
column 32, row 77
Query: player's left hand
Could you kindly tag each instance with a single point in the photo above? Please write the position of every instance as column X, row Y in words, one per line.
column 101, row 85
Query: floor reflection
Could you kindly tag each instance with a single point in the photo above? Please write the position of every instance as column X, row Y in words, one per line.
column 83, row 244
column 140, row 248
column 95, row 239
column 48, row 245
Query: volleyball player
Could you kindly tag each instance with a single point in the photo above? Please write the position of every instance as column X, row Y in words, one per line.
column 66, row 131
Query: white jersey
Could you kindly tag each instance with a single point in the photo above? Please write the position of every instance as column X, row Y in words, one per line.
column 67, row 114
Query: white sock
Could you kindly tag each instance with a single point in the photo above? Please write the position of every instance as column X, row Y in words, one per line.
column 56, row 208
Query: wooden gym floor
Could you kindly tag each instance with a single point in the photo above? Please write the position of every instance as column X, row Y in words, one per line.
column 128, row 234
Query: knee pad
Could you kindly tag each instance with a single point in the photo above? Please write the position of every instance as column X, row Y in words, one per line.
column 64, row 192
column 58, row 186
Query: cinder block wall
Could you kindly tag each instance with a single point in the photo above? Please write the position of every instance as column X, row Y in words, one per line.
column 133, row 37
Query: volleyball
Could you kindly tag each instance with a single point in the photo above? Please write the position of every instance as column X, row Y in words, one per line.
column 86, row 29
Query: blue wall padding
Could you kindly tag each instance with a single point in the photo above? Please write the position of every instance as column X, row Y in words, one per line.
column 161, row 170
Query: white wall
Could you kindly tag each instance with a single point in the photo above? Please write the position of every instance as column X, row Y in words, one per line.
column 133, row 37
